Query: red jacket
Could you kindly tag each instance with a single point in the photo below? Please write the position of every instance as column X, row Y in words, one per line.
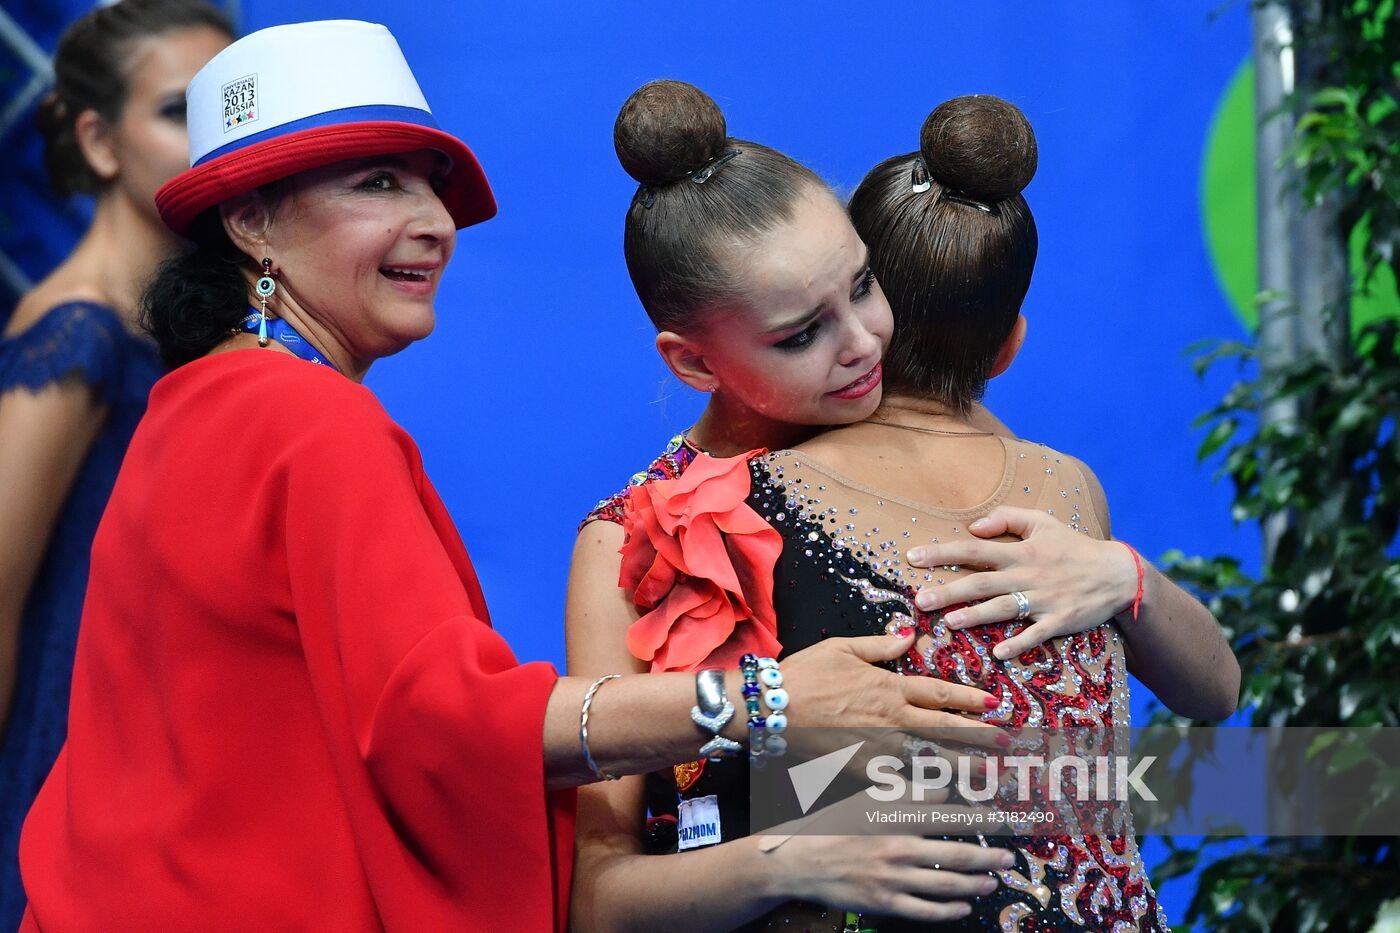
column 289, row 710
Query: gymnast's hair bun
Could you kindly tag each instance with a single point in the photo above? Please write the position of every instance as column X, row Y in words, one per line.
column 666, row 130
column 980, row 146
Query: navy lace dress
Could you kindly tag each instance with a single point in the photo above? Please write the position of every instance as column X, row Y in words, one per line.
column 86, row 341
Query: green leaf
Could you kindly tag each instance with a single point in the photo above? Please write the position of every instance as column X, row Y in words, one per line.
column 1334, row 97
column 1219, row 434
column 1180, row 862
column 1322, row 742
column 1348, row 757
column 1378, row 110
column 1355, row 412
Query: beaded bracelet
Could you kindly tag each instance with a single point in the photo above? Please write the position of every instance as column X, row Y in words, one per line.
column 776, row 699
column 583, row 728
column 1137, row 562
column 748, row 666
column 762, row 678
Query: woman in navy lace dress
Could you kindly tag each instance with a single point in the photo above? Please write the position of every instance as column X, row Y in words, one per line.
column 74, row 374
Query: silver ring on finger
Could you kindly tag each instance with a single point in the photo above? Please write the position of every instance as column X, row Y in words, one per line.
column 1023, row 605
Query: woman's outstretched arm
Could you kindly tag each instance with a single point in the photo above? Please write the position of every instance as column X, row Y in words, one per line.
column 640, row 723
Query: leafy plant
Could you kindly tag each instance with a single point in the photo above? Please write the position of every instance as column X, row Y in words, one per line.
column 1317, row 632
column 1348, row 137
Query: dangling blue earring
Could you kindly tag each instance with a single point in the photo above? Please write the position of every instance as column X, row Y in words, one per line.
column 265, row 287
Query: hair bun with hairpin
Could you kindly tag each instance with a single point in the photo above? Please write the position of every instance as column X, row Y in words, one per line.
column 666, row 130
column 980, row 146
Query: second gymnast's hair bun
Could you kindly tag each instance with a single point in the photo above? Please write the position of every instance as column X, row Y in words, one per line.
column 666, row 130
column 980, row 146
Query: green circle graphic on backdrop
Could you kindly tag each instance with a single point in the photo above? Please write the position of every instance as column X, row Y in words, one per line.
column 1228, row 211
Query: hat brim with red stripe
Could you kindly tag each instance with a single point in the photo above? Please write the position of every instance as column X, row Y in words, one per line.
column 465, row 192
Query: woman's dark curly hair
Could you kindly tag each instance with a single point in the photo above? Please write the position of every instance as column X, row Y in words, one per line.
column 199, row 296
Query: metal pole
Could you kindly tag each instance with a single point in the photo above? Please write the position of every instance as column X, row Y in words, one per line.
column 1278, row 335
column 41, row 76
column 1303, row 269
column 29, row 52
column 1322, row 279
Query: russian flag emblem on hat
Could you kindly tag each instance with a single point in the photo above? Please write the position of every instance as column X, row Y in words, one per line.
column 290, row 98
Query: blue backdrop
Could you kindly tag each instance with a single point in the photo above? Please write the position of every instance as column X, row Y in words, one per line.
column 540, row 392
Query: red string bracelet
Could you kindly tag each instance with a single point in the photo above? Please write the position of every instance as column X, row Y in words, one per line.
column 1137, row 562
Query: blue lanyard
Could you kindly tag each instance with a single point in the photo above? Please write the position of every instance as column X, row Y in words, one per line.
column 279, row 330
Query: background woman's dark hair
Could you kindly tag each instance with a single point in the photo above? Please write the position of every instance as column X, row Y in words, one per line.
column 954, row 259
column 91, row 69
column 666, row 135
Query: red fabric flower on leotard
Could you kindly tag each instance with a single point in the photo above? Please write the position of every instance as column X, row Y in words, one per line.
column 699, row 562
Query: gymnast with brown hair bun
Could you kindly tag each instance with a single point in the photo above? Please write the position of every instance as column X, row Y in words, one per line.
column 953, row 243
column 762, row 293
